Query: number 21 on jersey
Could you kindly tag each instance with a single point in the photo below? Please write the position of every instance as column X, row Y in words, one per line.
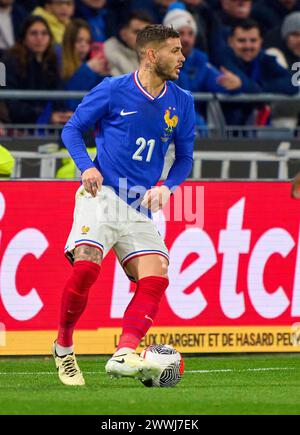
column 142, row 143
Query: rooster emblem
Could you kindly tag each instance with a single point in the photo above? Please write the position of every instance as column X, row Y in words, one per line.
column 85, row 230
column 171, row 122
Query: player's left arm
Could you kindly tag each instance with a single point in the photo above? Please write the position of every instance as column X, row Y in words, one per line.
column 157, row 197
column 184, row 147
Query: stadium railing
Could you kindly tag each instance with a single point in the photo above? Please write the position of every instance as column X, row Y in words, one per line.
column 216, row 125
column 216, row 129
column 48, row 161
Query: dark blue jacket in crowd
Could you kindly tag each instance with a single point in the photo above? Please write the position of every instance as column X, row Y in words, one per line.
column 226, row 22
column 198, row 75
column 262, row 75
column 19, row 15
column 95, row 18
column 84, row 79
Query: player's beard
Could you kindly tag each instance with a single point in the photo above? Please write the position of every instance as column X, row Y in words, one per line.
column 164, row 72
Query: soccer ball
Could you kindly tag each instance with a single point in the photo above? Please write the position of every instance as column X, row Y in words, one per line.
column 170, row 361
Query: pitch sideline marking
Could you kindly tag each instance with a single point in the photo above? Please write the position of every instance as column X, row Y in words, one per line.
column 259, row 369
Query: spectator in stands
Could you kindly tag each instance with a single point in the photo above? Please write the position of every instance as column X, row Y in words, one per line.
column 120, row 50
column 79, row 71
column 287, row 52
column 12, row 16
column 197, row 75
column 258, row 71
column 57, row 13
column 231, row 12
column 4, row 117
column 31, row 64
column 29, row 5
column 284, row 43
column 7, row 163
column 273, row 12
column 157, row 9
column 94, row 12
column 209, row 37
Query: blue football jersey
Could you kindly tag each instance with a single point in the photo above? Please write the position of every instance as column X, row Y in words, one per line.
column 133, row 133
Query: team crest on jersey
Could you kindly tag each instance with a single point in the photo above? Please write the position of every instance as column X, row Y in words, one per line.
column 85, row 230
column 171, row 122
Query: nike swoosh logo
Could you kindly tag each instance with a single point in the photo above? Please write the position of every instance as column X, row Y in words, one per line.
column 120, row 361
column 123, row 113
column 149, row 318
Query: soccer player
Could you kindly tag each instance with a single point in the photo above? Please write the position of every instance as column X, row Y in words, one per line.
column 137, row 116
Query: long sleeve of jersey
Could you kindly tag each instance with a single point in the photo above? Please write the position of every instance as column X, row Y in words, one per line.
column 184, row 147
column 94, row 106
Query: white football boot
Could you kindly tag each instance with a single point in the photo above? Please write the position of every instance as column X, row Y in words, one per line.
column 67, row 368
column 131, row 365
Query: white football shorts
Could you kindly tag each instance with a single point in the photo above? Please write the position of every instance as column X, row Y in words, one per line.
column 107, row 222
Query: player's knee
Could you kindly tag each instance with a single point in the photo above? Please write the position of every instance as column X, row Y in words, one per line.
column 165, row 270
column 88, row 253
column 164, row 267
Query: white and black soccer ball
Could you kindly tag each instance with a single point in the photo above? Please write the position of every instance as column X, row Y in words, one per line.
column 170, row 361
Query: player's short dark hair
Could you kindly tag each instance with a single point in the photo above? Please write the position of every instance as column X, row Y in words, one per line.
column 154, row 33
column 248, row 24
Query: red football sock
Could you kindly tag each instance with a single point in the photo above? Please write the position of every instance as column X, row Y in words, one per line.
column 74, row 299
column 141, row 311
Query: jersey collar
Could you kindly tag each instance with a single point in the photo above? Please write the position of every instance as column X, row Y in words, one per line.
column 143, row 90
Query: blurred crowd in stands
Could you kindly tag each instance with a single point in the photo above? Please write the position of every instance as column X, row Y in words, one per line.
column 230, row 46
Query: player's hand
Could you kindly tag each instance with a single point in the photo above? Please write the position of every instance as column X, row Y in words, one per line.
column 229, row 80
column 92, row 180
column 295, row 193
column 156, row 198
column 99, row 65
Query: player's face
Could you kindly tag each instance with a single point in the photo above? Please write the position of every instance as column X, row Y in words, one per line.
column 169, row 59
column 246, row 44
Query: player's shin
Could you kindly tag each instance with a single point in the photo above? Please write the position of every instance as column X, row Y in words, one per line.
column 142, row 310
column 74, row 299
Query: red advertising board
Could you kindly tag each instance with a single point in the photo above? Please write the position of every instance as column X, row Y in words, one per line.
column 234, row 272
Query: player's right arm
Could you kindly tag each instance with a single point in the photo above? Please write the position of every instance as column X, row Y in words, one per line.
column 93, row 108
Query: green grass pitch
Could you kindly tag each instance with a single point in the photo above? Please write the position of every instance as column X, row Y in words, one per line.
column 234, row 384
